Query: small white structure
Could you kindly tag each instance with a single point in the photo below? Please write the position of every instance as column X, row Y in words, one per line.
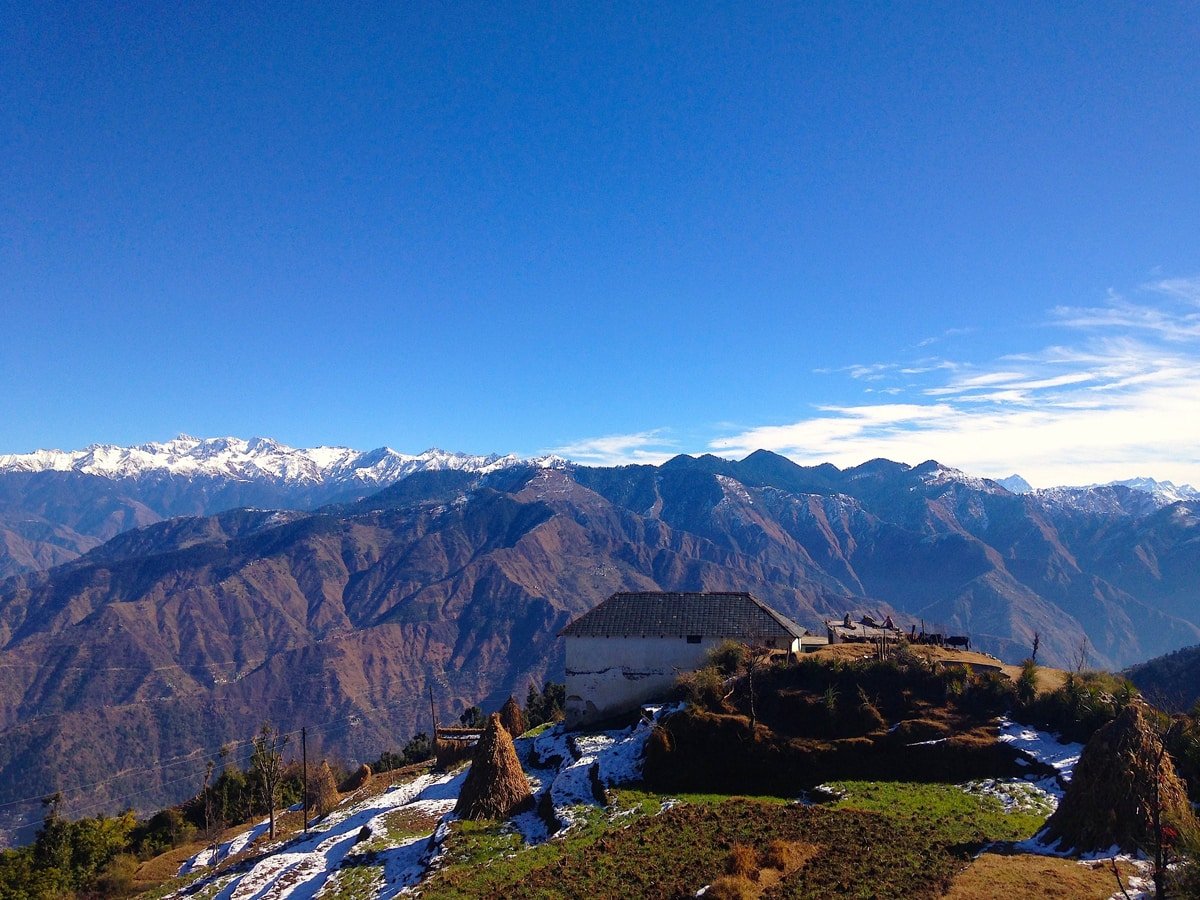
column 629, row 649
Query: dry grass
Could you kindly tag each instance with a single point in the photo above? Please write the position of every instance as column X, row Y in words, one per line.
column 1027, row 877
column 788, row 856
column 359, row 779
column 512, row 717
column 163, row 867
column 1047, row 679
column 733, row 887
column 742, row 862
column 749, row 873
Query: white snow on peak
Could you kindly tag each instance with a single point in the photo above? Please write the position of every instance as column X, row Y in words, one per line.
column 1142, row 496
column 934, row 473
column 1165, row 490
column 258, row 458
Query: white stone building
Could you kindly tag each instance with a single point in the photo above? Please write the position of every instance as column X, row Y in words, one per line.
column 629, row 649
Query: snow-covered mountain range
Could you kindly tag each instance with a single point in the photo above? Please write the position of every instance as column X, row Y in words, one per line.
column 261, row 458
column 253, row 459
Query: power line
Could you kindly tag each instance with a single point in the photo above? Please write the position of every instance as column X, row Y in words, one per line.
column 328, row 727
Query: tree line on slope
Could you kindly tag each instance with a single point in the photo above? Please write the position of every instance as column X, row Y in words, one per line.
column 99, row 856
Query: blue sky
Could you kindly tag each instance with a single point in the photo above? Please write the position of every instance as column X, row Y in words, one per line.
column 959, row 231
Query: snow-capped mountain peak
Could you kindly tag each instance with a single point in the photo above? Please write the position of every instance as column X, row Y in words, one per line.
column 255, row 459
column 1164, row 490
column 1015, row 484
column 934, row 473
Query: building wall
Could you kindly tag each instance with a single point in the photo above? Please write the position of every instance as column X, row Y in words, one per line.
column 609, row 676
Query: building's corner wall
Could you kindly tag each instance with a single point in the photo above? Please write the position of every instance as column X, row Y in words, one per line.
column 610, row 676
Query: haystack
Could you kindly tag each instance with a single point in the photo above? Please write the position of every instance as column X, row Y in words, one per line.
column 448, row 754
column 357, row 780
column 322, row 789
column 1120, row 778
column 495, row 785
column 511, row 717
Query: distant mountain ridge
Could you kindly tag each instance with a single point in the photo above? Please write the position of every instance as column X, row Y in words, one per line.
column 55, row 505
column 256, row 458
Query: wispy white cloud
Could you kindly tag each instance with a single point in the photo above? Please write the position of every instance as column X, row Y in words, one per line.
column 1117, row 396
column 651, row 447
column 948, row 333
column 1122, row 397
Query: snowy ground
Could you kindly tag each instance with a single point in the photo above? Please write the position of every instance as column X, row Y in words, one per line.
column 351, row 848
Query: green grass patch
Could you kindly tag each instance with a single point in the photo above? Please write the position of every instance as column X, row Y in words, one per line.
column 956, row 815
column 354, row 882
column 486, row 859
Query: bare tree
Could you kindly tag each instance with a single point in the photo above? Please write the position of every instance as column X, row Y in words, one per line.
column 1079, row 659
column 757, row 659
column 266, row 762
column 1037, row 642
column 212, row 828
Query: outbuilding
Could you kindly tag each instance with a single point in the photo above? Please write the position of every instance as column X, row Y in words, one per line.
column 629, row 649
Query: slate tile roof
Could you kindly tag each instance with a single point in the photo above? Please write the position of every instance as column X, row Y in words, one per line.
column 673, row 614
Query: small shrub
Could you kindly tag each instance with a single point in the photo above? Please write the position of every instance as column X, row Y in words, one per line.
column 116, row 879
column 729, row 658
column 1086, row 701
column 1027, row 682
column 704, row 688
column 868, row 716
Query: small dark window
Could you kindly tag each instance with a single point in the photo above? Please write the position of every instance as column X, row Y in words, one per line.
column 694, row 638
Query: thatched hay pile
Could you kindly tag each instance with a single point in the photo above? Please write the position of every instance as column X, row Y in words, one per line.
column 448, row 754
column 496, row 784
column 322, row 789
column 512, row 718
column 357, row 780
column 1121, row 777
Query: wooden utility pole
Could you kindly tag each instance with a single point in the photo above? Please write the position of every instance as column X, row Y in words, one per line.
column 304, row 757
column 433, row 713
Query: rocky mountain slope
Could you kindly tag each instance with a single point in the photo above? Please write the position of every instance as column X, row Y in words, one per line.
column 185, row 633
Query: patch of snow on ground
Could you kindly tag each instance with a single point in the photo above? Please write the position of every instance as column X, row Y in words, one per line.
column 210, row 856
column 1046, row 748
column 1017, row 796
column 1032, row 793
column 299, row 866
